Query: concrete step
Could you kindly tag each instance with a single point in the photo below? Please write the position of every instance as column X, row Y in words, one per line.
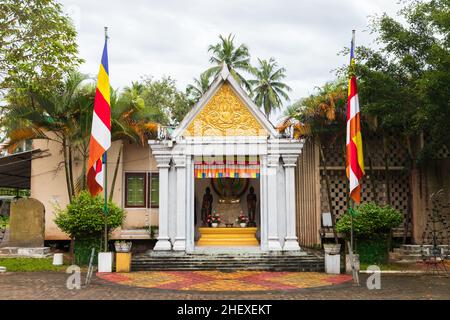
column 411, row 253
column 25, row 252
column 133, row 234
column 253, row 261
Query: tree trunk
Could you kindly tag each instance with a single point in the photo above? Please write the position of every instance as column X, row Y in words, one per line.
column 386, row 170
column 116, row 169
column 84, row 173
column 66, row 169
column 373, row 184
column 72, row 250
column 327, row 181
column 70, row 164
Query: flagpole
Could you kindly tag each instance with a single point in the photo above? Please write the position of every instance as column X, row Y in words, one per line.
column 105, row 168
column 351, row 202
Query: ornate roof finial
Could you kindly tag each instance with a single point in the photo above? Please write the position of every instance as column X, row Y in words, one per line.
column 224, row 73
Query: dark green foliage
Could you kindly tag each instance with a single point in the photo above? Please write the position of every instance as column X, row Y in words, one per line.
column 374, row 250
column 4, row 222
column 371, row 220
column 84, row 217
column 404, row 83
column 83, row 249
column 38, row 44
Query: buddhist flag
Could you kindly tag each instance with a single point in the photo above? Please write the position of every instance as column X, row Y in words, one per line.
column 101, row 128
column 355, row 160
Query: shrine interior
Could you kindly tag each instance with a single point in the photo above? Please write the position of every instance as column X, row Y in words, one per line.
column 230, row 198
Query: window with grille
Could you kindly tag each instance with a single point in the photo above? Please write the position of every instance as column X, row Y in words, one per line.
column 135, row 186
column 153, row 190
column 142, row 190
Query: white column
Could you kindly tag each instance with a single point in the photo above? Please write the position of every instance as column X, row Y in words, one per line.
column 180, row 235
column 163, row 242
column 190, row 212
column 273, row 161
column 263, row 202
column 291, row 241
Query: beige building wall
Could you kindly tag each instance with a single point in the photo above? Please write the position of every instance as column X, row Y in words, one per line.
column 48, row 183
column 138, row 159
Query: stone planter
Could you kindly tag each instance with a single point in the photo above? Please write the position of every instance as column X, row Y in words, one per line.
column 348, row 266
column 243, row 224
column 123, row 246
column 332, row 258
column 214, row 225
column 105, row 261
column 332, row 248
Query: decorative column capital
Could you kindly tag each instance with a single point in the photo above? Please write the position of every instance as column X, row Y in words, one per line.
column 273, row 160
column 290, row 160
column 163, row 161
column 179, row 161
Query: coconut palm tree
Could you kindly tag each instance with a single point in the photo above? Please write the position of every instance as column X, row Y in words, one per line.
column 65, row 117
column 199, row 87
column 268, row 88
column 322, row 118
column 54, row 117
column 236, row 58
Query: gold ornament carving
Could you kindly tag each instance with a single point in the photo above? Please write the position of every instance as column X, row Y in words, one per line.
column 225, row 115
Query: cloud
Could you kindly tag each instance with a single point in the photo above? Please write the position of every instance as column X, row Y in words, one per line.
column 171, row 37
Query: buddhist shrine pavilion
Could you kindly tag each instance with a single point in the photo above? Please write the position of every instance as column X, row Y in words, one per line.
column 225, row 160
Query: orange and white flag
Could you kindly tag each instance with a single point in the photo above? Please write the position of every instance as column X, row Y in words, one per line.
column 355, row 158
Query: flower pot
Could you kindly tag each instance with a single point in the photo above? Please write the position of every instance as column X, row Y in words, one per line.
column 243, row 224
column 123, row 246
column 105, row 261
column 214, row 225
column 332, row 248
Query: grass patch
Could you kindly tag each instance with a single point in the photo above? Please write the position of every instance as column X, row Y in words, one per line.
column 29, row 264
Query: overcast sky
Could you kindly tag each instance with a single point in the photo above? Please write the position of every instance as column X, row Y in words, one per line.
column 171, row 37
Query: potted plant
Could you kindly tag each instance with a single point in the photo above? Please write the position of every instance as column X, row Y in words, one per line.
column 213, row 219
column 84, row 220
column 242, row 220
column 372, row 225
column 123, row 256
column 123, row 246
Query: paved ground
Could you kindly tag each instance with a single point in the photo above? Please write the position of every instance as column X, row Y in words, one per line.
column 219, row 281
column 52, row 285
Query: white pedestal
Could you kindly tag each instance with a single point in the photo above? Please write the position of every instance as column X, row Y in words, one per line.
column 333, row 263
column 105, row 261
column 58, row 259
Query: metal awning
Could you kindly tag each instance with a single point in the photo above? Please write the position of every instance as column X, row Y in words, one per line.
column 15, row 169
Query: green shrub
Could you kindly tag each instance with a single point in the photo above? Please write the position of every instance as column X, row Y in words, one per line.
column 374, row 250
column 83, row 249
column 4, row 222
column 84, row 217
column 370, row 220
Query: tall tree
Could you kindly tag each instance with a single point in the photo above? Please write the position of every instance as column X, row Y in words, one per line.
column 196, row 90
column 321, row 117
column 165, row 101
column 55, row 117
column 237, row 59
column 37, row 43
column 404, row 83
column 268, row 88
